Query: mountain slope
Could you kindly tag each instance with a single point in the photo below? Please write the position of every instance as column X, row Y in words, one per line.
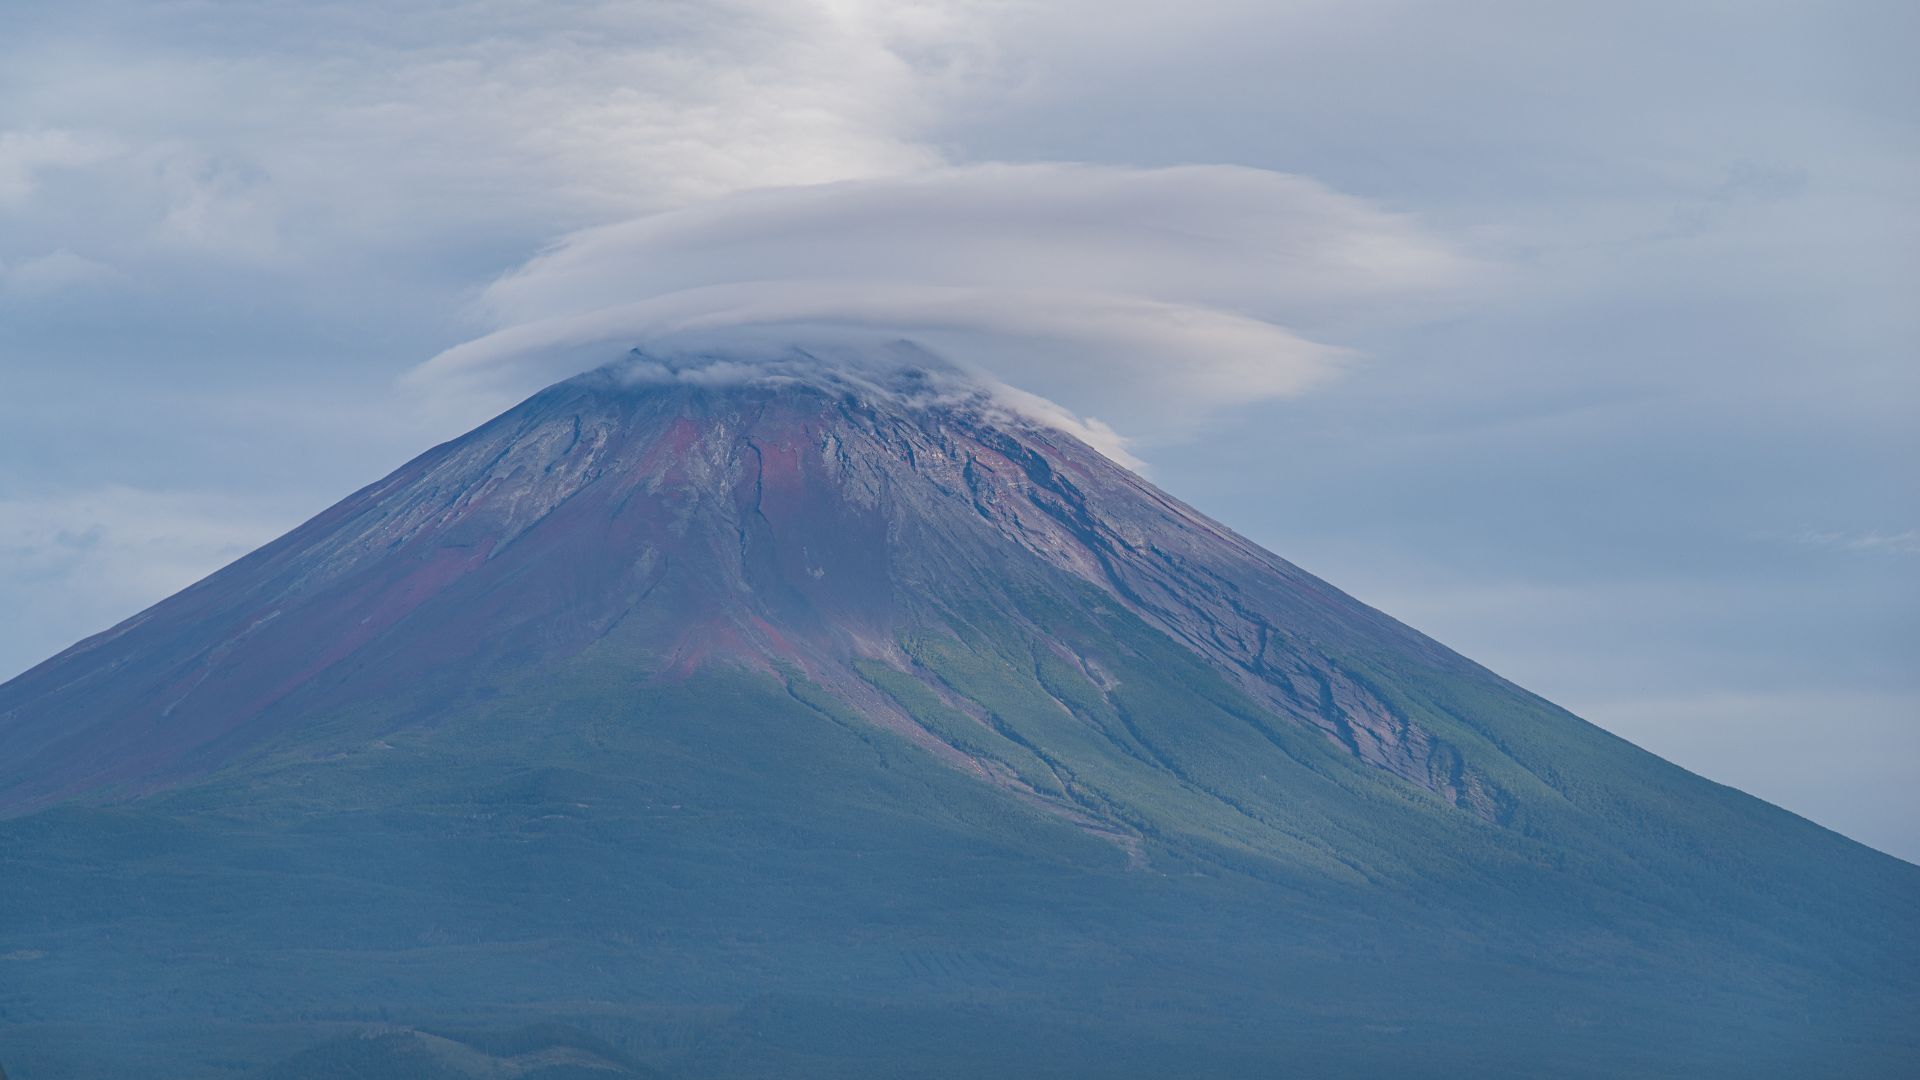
column 833, row 720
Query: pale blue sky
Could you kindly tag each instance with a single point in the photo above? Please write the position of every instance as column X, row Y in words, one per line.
column 1577, row 335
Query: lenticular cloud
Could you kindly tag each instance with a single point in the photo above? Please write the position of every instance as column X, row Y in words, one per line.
column 1152, row 297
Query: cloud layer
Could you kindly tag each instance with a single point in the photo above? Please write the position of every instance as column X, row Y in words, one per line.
column 1151, row 297
column 82, row 560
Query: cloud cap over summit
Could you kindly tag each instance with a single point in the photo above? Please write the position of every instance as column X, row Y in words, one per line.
column 1151, row 297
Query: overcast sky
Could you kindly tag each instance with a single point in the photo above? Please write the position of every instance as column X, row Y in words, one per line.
column 1580, row 336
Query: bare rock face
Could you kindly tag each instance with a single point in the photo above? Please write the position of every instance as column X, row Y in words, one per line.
column 803, row 517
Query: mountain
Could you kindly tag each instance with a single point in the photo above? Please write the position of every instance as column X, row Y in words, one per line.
column 835, row 719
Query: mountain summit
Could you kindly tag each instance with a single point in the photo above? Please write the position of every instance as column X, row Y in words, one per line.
column 814, row 719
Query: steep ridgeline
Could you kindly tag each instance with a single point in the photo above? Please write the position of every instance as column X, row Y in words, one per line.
column 831, row 721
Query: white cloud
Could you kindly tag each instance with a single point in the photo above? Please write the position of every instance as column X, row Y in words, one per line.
column 1237, row 238
column 126, row 538
column 53, row 272
column 779, row 155
column 239, row 128
column 1152, row 297
column 83, row 560
column 24, row 155
column 1905, row 542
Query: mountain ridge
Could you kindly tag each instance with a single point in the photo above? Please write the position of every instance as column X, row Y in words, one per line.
column 858, row 691
column 1071, row 533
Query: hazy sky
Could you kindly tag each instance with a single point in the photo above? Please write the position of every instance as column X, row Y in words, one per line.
column 1581, row 336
